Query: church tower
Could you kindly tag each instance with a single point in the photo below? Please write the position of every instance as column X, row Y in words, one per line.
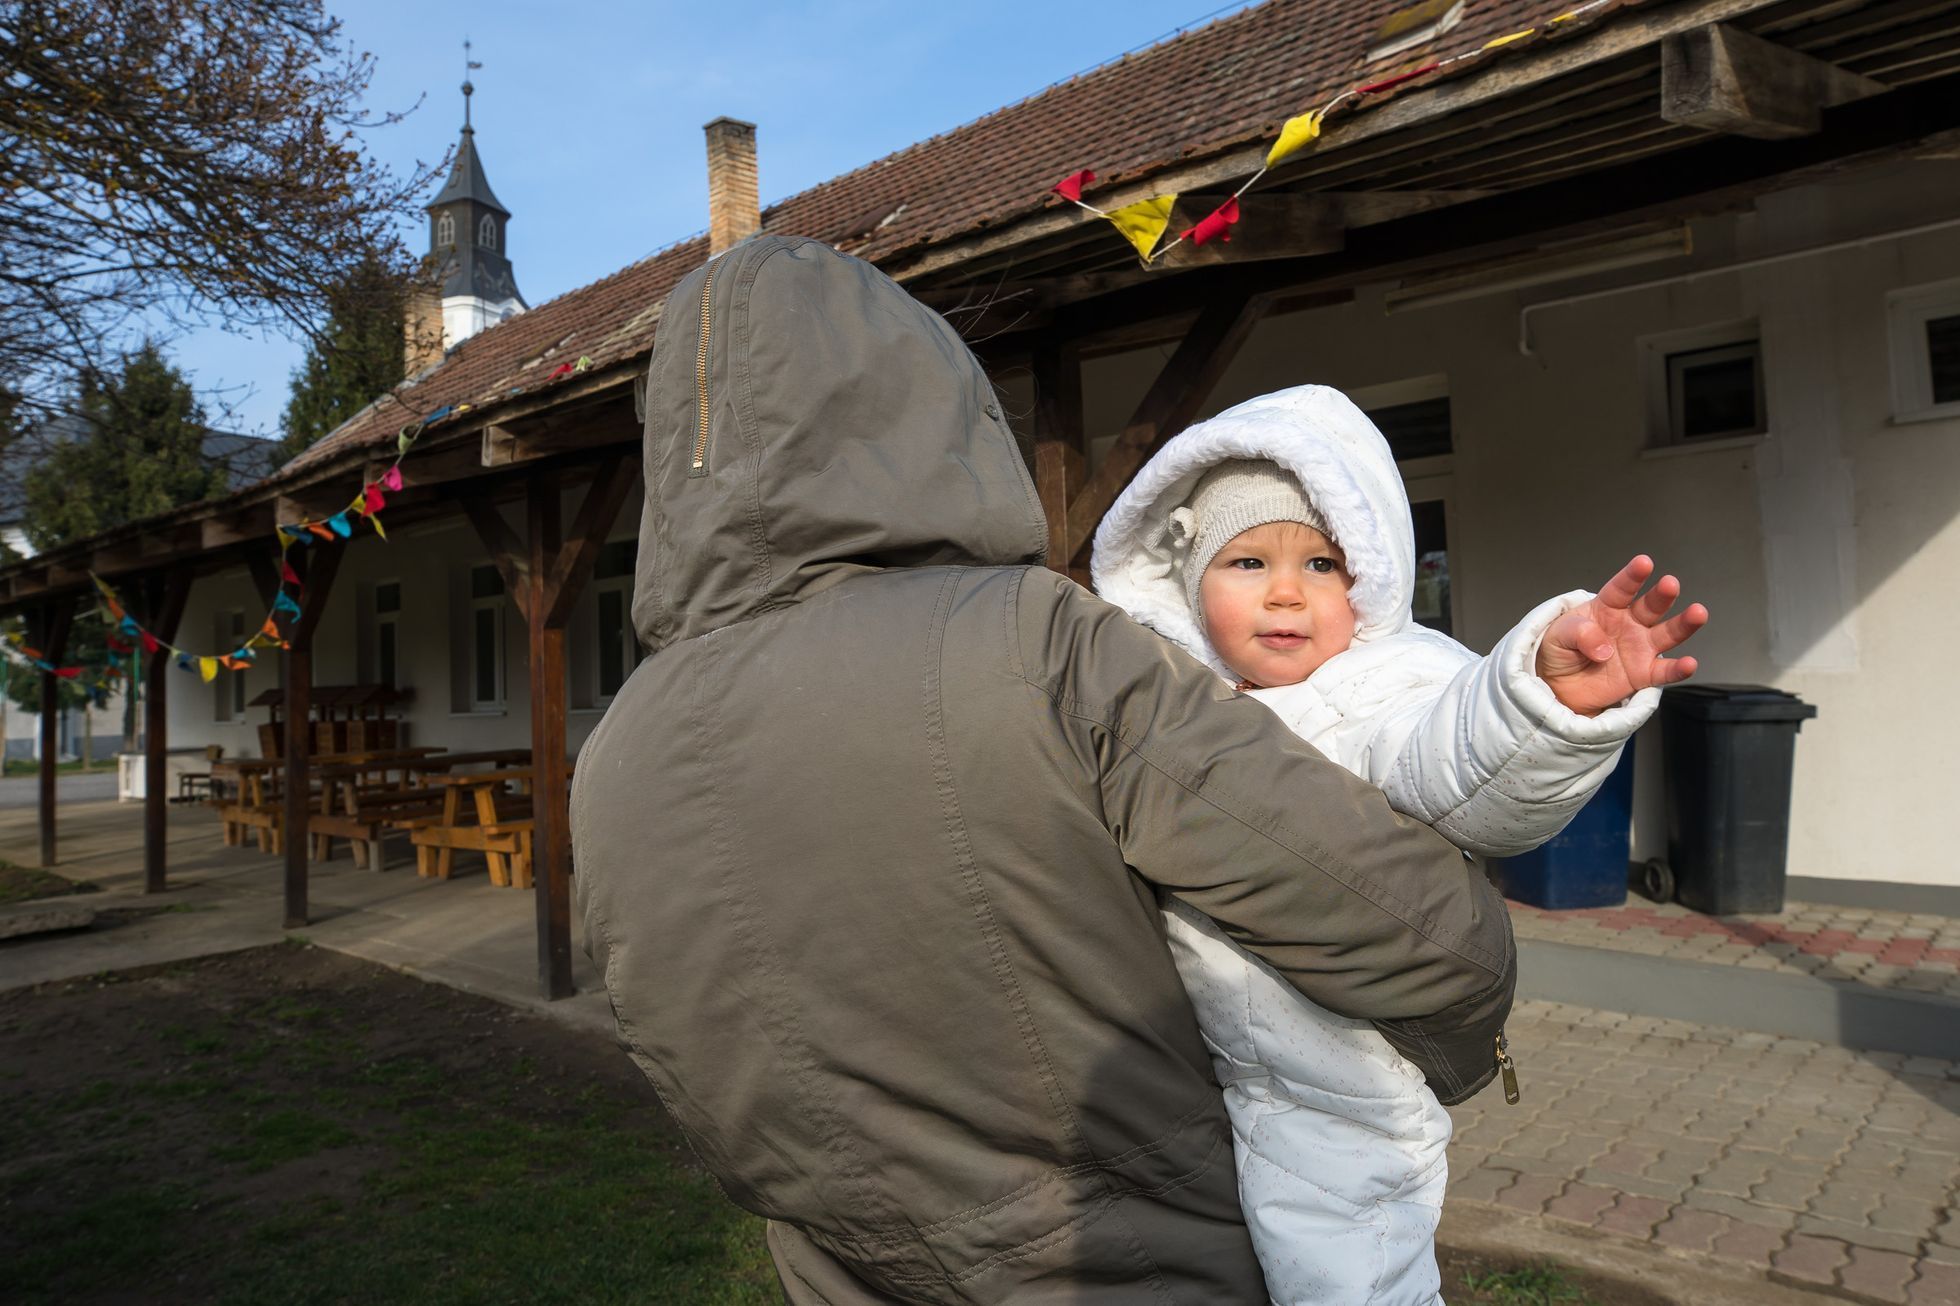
column 467, row 229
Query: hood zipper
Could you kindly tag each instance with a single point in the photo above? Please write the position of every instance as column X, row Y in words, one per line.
column 700, row 463
column 1508, row 1069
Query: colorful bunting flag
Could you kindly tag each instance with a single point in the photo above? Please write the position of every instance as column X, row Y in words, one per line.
column 392, row 480
column 208, row 668
column 1215, row 225
column 1070, row 187
column 1143, row 223
column 371, row 499
column 1297, row 132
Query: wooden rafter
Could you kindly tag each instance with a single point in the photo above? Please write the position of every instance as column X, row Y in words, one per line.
column 1722, row 79
column 1174, row 398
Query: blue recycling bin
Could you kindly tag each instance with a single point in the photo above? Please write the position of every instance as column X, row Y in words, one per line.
column 1585, row 864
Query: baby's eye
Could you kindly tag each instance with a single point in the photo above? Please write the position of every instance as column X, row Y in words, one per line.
column 1246, row 564
column 1321, row 565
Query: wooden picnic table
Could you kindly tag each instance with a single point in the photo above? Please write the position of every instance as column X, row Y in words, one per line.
column 497, row 757
column 254, row 804
column 501, row 830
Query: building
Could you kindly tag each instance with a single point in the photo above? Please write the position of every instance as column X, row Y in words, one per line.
column 1679, row 278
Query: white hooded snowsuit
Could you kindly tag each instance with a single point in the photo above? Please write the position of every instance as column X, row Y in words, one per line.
column 1340, row 1143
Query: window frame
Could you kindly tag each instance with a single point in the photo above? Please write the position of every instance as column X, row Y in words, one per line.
column 1411, row 390
column 630, row 652
column 496, row 605
column 1907, row 312
column 486, row 231
column 445, row 228
column 392, row 621
column 1666, row 406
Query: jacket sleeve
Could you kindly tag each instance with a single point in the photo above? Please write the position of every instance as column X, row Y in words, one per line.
column 1490, row 757
column 1211, row 798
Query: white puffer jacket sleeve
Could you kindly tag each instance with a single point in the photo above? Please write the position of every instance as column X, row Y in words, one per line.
column 1479, row 748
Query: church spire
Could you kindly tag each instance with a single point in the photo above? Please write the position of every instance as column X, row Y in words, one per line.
column 467, row 229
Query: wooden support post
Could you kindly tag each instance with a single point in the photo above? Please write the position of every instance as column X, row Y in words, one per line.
column 1727, row 80
column 164, row 599
column 51, row 637
column 1177, row 395
column 316, row 567
column 555, row 572
column 1059, row 449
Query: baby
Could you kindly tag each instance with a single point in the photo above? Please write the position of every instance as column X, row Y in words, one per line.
column 1274, row 542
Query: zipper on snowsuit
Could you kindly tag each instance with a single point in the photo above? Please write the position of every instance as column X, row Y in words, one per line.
column 1508, row 1069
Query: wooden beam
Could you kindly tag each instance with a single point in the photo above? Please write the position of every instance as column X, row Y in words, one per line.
column 235, row 527
column 1189, row 376
column 1059, row 447
column 51, row 637
column 317, row 567
column 506, row 551
column 1270, row 226
column 163, row 600
column 551, row 842
column 1725, row 80
column 612, row 481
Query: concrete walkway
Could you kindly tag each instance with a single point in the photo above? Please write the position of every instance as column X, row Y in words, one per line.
column 1734, row 1165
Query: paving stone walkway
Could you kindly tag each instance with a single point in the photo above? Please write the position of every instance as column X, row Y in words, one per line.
column 1816, row 1165
column 1890, row 950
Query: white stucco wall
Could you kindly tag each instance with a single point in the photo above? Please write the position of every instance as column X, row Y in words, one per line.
column 429, row 561
column 1827, row 551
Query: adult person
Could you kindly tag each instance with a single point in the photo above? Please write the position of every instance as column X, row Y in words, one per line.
column 869, row 848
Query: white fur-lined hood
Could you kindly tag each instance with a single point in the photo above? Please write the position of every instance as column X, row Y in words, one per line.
column 1315, row 432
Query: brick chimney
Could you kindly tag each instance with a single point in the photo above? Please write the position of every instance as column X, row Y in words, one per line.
column 734, row 205
column 421, row 329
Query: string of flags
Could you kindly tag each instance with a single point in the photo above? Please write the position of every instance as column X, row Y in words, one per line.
column 97, row 685
column 288, row 597
column 1144, row 223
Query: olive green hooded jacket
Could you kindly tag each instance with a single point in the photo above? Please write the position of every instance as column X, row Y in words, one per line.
column 869, row 848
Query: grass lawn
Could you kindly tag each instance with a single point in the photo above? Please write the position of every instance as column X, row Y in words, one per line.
column 24, row 766
column 291, row 1125
column 23, row 883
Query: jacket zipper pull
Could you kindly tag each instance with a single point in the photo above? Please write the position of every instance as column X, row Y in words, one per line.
column 1508, row 1069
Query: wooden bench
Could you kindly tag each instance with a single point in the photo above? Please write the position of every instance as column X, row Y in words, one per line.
column 253, row 803
column 500, row 830
column 361, row 814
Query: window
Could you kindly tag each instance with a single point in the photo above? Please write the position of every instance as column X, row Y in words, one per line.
column 1419, row 24
column 1413, row 416
column 387, row 632
column 1705, row 386
column 486, row 639
column 486, row 232
column 616, row 649
column 1432, row 597
column 445, row 229
column 228, row 690
column 1925, row 329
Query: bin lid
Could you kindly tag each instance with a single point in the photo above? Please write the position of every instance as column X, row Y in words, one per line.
column 1736, row 703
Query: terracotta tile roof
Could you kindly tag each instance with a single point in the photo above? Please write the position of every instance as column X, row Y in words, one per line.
column 1201, row 93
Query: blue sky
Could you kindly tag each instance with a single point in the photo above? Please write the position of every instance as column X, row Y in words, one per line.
column 589, row 118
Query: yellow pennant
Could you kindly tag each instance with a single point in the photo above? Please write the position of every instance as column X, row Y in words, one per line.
column 1143, row 223
column 376, row 523
column 1296, row 133
column 1515, row 36
column 208, row 668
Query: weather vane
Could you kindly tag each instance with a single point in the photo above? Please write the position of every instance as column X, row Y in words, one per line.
column 469, row 88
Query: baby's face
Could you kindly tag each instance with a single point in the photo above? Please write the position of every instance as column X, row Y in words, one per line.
column 1276, row 603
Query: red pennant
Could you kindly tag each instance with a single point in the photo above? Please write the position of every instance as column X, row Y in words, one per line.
column 563, row 369
column 373, row 501
column 1070, row 187
column 150, row 642
column 117, row 646
column 1215, row 225
column 68, row 673
column 287, row 574
column 1398, row 79
column 393, row 480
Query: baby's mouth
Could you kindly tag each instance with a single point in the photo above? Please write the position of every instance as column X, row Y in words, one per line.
column 1281, row 639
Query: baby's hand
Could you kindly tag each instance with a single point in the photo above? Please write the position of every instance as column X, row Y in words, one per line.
column 1602, row 652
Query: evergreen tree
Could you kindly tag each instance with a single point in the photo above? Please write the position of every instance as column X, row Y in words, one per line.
column 143, row 454
column 355, row 360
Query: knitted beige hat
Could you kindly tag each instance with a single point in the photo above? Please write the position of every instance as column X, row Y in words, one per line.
column 1228, row 500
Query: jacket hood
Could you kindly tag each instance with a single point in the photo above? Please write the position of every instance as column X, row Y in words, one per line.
column 1347, row 470
column 807, row 420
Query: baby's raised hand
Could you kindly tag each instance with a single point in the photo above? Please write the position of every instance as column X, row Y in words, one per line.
column 1602, row 652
